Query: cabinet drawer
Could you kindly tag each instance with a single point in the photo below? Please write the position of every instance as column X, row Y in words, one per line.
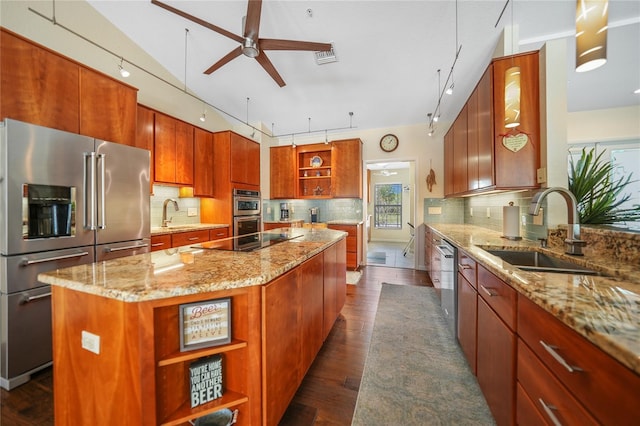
column 160, row 242
column 352, row 260
column 352, row 230
column 467, row 267
column 192, row 237
column 552, row 400
column 499, row 295
column 218, row 233
column 605, row 387
column 526, row 412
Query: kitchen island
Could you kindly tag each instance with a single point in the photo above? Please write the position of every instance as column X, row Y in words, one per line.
column 117, row 329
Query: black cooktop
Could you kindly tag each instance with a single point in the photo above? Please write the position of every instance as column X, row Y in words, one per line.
column 248, row 243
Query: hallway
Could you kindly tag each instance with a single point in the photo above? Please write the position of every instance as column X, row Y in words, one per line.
column 389, row 254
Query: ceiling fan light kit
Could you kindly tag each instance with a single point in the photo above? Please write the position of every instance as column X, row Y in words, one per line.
column 591, row 34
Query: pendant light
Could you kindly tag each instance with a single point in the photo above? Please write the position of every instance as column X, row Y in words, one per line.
column 123, row 71
column 591, row 34
column 512, row 89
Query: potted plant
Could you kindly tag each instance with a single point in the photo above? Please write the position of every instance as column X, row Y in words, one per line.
column 591, row 181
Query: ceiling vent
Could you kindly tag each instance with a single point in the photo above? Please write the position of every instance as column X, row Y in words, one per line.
column 326, row 57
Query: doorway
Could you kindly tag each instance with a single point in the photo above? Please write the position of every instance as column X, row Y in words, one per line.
column 390, row 205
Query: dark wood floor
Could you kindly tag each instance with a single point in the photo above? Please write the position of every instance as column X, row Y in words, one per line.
column 329, row 391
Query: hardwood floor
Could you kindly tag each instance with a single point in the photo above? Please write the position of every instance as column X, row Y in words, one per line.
column 329, row 391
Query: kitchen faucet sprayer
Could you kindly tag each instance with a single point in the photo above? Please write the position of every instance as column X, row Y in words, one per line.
column 165, row 221
column 572, row 244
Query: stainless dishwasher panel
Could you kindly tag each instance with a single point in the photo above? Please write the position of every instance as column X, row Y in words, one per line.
column 448, row 272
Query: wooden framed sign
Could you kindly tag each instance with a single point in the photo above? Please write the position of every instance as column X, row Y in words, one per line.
column 204, row 324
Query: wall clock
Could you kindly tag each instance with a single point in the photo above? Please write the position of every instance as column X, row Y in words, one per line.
column 389, row 142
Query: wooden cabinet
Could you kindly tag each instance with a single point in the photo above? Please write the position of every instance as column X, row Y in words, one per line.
column 496, row 345
column 476, row 159
column 467, row 308
column 203, row 164
column 218, row 233
column 145, row 119
column 427, row 247
column 173, row 151
column 268, row 226
column 107, row 108
column 165, row 241
column 282, row 181
column 347, row 168
column 245, row 160
column 160, row 242
column 190, row 237
column 354, row 243
column 38, row 86
column 572, row 365
column 314, row 171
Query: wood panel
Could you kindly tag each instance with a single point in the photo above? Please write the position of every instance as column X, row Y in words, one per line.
column 37, row 85
column 107, row 108
column 160, row 242
column 329, row 293
column 245, row 160
column 448, row 163
column 145, row 135
column 184, row 153
column 472, row 142
column 347, row 168
column 460, row 152
column 165, row 148
column 485, row 129
column 467, row 320
column 191, row 237
column 312, row 306
column 203, row 159
column 341, row 274
column 282, row 180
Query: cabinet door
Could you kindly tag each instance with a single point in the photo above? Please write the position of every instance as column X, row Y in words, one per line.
column 107, row 108
column 312, row 302
column 184, row 153
column 496, row 353
column 38, row 86
column 245, row 160
column 329, row 294
column 467, row 320
column 341, row 275
column 283, row 172
column 165, row 149
column 144, row 135
column 160, row 242
column 203, row 164
column 484, row 114
column 460, row 152
column 448, row 163
column 218, row 233
column 347, row 168
column 472, row 141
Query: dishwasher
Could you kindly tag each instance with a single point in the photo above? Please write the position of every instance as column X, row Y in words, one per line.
column 448, row 273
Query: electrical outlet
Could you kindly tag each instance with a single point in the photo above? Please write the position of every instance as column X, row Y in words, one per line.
column 269, row 210
column 434, row 210
column 91, row 342
column 488, row 211
column 471, row 211
column 539, row 220
column 541, row 175
column 192, row 211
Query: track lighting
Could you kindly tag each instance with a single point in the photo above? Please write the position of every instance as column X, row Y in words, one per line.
column 123, row 72
column 591, row 34
column 203, row 117
column 450, row 90
column 436, row 118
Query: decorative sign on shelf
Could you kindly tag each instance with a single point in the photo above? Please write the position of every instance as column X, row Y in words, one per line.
column 515, row 143
column 205, row 378
column 204, row 324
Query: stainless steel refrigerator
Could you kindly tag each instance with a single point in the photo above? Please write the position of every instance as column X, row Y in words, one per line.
column 65, row 200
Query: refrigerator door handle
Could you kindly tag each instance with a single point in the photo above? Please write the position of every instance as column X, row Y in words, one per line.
column 89, row 190
column 102, row 209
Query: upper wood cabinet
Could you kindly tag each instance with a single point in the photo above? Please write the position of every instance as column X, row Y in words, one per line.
column 245, row 160
column 145, row 135
column 203, row 184
column 347, row 168
column 107, row 108
column 173, row 150
column 282, row 160
column 479, row 161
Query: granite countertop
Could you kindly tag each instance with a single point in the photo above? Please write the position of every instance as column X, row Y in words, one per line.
column 174, row 229
column 284, row 221
column 345, row 222
column 191, row 270
column 605, row 310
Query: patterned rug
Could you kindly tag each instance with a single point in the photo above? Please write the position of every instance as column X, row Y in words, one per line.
column 415, row 373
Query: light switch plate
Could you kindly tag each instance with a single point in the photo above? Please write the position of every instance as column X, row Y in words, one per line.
column 488, row 211
column 434, row 210
column 91, row 342
column 192, row 211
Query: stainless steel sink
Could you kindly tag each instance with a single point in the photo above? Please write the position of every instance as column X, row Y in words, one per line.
column 541, row 262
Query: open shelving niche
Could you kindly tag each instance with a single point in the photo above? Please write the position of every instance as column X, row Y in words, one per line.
column 314, row 182
column 172, row 366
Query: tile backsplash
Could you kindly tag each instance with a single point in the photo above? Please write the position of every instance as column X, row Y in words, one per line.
column 180, row 217
column 329, row 209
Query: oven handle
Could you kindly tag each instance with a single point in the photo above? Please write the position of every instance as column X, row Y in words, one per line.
column 27, row 262
column 28, row 299
column 444, row 251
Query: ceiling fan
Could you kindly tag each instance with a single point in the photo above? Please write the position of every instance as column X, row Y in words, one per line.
column 250, row 43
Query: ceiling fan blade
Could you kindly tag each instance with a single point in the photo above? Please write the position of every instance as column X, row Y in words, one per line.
column 252, row 21
column 270, row 69
column 197, row 20
column 275, row 44
column 227, row 58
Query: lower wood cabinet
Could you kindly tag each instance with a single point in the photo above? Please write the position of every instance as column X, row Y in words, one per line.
column 166, row 241
column 354, row 243
column 468, row 320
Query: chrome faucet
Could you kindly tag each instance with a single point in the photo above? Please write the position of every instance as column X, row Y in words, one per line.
column 572, row 244
column 165, row 221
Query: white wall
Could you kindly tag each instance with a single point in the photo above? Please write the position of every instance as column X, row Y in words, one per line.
column 613, row 124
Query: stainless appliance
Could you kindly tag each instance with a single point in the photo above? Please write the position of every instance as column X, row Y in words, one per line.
column 448, row 288
column 65, row 200
column 315, row 214
column 247, row 219
column 284, row 211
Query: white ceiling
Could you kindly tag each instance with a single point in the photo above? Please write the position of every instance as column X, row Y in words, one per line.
column 388, row 56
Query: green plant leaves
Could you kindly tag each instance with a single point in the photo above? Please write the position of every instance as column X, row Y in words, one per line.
column 591, row 181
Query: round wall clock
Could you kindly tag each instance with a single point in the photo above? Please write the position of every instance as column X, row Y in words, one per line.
column 389, row 142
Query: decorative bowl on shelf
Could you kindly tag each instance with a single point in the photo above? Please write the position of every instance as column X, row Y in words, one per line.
column 316, row 161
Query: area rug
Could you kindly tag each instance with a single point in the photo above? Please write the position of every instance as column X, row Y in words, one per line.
column 415, row 373
column 353, row 277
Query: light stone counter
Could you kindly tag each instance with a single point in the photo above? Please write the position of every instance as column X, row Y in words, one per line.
column 174, row 229
column 345, row 222
column 190, row 270
column 604, row 310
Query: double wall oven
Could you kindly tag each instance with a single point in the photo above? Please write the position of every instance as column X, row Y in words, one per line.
column 247, row 219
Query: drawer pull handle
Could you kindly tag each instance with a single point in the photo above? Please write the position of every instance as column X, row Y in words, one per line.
column 194, row 238
column 549, row 410
column 28, row 299
column 557, row 357
column 488, row 292
column 461, row 266
column 157, row 244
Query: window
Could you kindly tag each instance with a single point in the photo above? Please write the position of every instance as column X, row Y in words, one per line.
column 387, row 207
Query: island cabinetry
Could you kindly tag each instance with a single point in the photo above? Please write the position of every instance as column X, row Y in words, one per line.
column 173, row 151
column 354, row 243
column 335, row 291
column 203, row 164
column 347, row 168
column 496, row 345
column 138, row 367
column 579, row 378
column 283, row 172
column 314, row 171
column 467, row 308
